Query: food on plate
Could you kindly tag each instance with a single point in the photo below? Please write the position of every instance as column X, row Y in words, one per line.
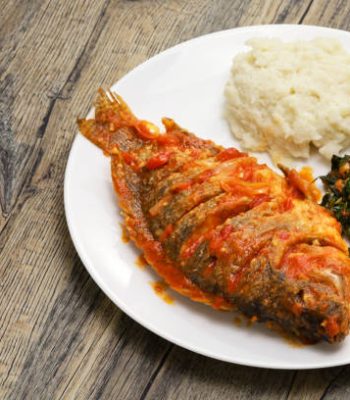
column 223, row 229
column 337, row 197
column 282, row 97
column 160, row 288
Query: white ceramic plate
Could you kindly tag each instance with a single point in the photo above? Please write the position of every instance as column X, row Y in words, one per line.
column 186, row 83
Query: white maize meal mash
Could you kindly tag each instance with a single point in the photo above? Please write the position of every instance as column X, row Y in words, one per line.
column 284, row 96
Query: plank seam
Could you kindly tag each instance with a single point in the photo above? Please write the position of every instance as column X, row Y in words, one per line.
column 305, row 12
column 86, row 355
column 324, row 394
column 291, row 384
column 29, row 176
column 156, row 372
column 107, row 376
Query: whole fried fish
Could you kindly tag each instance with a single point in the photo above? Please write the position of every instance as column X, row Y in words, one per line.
column 224, row 230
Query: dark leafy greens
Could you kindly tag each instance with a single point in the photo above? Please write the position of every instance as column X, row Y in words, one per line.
column 337, row 197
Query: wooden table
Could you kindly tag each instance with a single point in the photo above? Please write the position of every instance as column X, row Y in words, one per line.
column 61, row 337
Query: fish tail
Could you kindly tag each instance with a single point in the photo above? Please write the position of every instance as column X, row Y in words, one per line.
column 115, row 128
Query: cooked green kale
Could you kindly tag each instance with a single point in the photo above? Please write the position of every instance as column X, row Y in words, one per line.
column 337, row 197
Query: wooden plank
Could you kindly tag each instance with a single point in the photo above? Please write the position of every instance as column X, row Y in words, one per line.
column 44, row 58
column 338, row 388
column 86, row 339
column 197, row 377
column 313, row 385
column 34, row 68
column 15, row 17
column 333, row 14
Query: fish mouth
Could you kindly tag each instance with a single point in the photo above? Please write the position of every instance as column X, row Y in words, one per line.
column 321, row 314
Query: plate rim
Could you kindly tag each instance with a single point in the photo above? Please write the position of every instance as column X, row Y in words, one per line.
column 93, row 271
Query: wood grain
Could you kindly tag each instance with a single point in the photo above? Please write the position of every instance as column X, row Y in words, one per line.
column 196, row 377
column 60, row 337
